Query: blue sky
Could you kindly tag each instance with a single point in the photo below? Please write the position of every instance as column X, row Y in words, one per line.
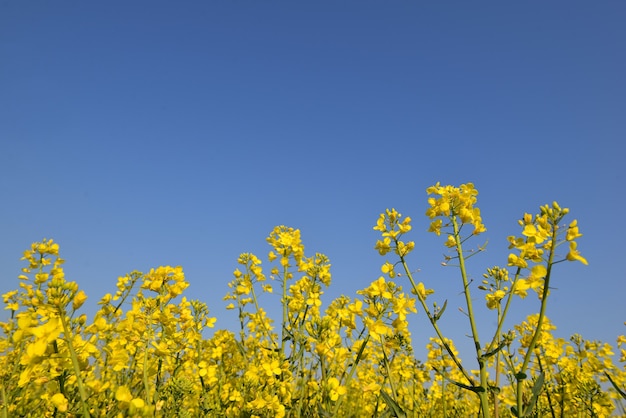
column 139, row 134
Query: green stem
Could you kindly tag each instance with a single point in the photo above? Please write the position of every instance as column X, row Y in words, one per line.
column 433, row 322
column 5, row 407
column 351, row 372
column 502, row 316
column 75, row 365
column 483, row 393
column 521, row 375
column 285, row 313
column 265, row 328
column 496, row 400
column 388, row 370
column 146, row 384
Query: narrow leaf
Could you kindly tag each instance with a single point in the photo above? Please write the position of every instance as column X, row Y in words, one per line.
column 443, row 309
column 537, row 387
column 397, row 410
column 621, row 392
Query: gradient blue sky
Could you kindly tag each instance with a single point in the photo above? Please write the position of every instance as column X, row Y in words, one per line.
column 139, row 134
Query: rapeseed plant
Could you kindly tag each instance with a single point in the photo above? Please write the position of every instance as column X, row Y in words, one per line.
column 145, row 353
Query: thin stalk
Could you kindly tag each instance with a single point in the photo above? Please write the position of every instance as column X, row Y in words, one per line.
column 265, row 328
column 483, row 394
column 146, row 384
column 496, row 400
column 5, row 407
column 547, row 392
column 285, row 312
column 75, row 365
column 433, row 322
column 542, row 312
column 351, row 372
column 387, row 369
column 501, row 317
column 443, row 398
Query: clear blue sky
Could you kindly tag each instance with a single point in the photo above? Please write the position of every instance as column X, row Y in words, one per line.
column 139, row 134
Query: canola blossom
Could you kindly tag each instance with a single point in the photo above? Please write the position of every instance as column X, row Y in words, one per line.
column 146, row 353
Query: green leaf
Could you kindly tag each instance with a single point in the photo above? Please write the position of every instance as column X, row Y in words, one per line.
column 621, row 392
column 242, row 350
column 475, row 389
column 520, row 376
column 537, row 387
column 443, row 309
column 494, row 389
column 397, row 410
column 495, row 350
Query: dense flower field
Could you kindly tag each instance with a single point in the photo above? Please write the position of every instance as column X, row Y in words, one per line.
column 145, row 353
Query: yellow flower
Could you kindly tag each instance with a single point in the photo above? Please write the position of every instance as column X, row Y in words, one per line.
column 123, row 394
column 403, row 248
column 493, row 299
column 378, row 288
column 387, row 269
column 383, row 246
column 335, row 389
column 49, row 331
column 60, row 402
column 574, row 255
column 516, row 261
column 572, row 231
column 435, row 226
column 137, row 404
column 376, row 327
column 272, row 368
column 79, row 299
column 521, row 287
column 421, row 291
column 538, row 271
column 454, row 201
